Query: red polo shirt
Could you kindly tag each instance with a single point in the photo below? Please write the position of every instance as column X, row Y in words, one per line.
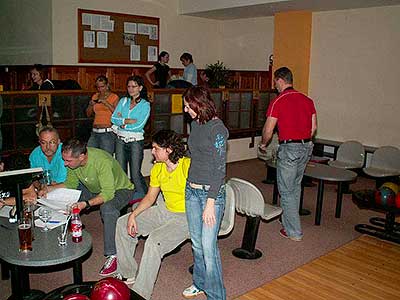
column 294, row 112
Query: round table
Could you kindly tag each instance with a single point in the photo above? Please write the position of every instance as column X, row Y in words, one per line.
column 45, row 252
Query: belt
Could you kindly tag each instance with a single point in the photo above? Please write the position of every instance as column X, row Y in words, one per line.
column 199, row 186
column 101, row 130
column 303, row 141
column 129, row 139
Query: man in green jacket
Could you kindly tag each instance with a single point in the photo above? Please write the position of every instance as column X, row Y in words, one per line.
column 102, row 182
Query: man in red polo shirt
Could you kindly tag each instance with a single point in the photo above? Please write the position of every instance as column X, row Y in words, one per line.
column 296, row 118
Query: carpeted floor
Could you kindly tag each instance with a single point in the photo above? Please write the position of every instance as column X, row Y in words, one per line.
column 279, row 255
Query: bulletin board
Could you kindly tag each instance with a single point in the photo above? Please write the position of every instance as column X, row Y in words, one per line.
column 107, row 37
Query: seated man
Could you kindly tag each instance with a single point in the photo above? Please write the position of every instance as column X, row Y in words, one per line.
column 102, row 182
column 48, row 155
column 164, row 223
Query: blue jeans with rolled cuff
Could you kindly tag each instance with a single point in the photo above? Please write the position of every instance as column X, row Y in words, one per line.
column 292, row 161
column 207, row 271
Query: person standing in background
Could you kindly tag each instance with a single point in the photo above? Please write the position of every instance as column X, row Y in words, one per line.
column 102, row 105
column 161, row 71
column 39, row 78
column 129, row 119
column 295, row 116
column 205, row 192
column 190, row 71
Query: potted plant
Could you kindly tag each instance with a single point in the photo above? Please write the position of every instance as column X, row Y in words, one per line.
column 218, row 75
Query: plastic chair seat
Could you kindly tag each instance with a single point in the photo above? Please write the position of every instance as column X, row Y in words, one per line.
column 344, row 164
column 385, row 162
column 250, row 201
column 228, row 219
column 376, row 172
column 350, row 155
column 271, row 211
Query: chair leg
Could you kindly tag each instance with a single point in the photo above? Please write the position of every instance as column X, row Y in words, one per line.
column 248, row 249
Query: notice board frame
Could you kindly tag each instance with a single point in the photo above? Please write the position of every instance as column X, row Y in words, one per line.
column 117, row 52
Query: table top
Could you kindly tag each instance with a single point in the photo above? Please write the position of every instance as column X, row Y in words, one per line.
column 329, row 173
column 324, row 172
column 45, row 248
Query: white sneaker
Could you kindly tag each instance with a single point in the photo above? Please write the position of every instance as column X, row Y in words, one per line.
column 192, row 292
column 127, row 281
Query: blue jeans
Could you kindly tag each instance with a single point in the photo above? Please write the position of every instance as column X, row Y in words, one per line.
column 109, row 212
column 104, row 141
column 207, row 272
column 292, row 161
column 132, row 153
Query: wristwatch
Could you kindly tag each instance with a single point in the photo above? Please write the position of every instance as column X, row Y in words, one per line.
column 87, row 204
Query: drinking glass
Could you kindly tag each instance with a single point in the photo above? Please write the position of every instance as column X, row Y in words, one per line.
column 29, row 208
column 25, row 235
column 62, row 236
column 45, row 215
column 47, row 177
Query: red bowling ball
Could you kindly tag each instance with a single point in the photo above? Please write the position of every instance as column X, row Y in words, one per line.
column 76, row 297
column 398, row 200
column 110, row 289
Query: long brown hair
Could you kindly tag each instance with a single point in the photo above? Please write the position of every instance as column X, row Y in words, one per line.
column 199, row 99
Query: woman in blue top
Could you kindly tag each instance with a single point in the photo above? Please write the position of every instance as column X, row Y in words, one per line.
column 129, row 119
column 205, row 192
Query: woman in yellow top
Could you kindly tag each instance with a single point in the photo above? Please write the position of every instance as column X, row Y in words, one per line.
column 102, row 106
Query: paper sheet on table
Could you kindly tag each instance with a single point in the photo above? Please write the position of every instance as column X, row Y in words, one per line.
column 57, row 219
column 5, row 211
column 59, row 198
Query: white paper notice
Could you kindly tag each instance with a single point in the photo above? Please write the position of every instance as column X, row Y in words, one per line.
column 143, row 29
column 129, row 39
column 135, row 52
column 88, row 39
column 107, row 26
column 59, row 198
column 153, row 32
column 130, row 27
column 86, row 19
column 102, row 39
column 96, row 20
column 152, row 53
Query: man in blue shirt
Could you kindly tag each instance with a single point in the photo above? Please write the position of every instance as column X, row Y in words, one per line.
column 48, row 155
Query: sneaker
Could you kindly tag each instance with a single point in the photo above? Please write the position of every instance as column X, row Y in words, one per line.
column 109, row 267
column 191, row 292
column 127, row 281
column 283, row 233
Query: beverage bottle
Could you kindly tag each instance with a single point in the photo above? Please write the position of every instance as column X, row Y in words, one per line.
column 76, row 225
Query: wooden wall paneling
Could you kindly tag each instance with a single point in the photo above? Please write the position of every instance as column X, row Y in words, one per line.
column 264, row 81
column 90, row 75
column 118, row 76
column 64, row 73
column 247, row 80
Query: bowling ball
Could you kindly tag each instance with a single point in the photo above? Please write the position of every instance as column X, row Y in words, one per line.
column 388, row 197
column 398, row 200
column 377, row 196
column 76, row 297
column 110, row 289
column 390, row 185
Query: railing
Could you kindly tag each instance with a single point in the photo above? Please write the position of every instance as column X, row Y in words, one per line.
column 242, row 110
